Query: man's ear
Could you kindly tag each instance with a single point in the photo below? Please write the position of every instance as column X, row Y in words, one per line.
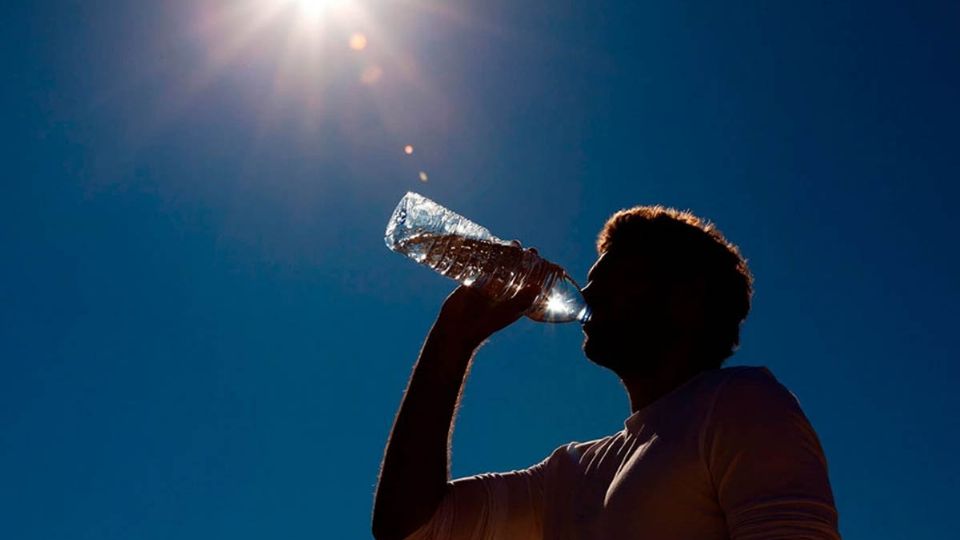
column 687, row 299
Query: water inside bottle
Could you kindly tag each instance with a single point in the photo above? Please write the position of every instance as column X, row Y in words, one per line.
column 505, row 268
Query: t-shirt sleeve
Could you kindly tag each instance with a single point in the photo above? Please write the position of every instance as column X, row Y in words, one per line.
column 490, row 506
column 766, row 462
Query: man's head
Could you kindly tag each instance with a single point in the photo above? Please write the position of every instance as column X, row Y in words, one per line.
column 665, row 281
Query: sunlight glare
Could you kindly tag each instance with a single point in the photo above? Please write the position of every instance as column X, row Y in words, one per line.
column 315, row 8
column 305, row 51
column 555, row 304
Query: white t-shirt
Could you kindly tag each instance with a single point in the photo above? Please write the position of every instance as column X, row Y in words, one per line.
column 727, row 455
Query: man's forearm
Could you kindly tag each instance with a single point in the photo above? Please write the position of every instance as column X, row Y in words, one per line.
column 415, row 469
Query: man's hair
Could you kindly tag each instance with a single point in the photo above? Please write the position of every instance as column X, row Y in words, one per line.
column 682, row 246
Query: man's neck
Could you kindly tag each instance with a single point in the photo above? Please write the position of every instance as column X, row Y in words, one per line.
column 646, row 388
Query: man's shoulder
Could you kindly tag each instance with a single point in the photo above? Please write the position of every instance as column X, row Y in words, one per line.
column 755, row 373
column 744, row 388
column 744, row 379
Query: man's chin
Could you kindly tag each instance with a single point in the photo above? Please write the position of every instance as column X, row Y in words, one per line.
column 620, row 358
column 596, row 353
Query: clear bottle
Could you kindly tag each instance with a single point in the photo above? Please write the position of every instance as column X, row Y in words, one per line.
column 462, row 250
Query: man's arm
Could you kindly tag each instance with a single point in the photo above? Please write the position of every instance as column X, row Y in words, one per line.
column 415, row 472
column 767, row 463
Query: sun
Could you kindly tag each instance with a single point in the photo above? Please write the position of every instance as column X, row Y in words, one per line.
column 331, row 61
column 316, row 8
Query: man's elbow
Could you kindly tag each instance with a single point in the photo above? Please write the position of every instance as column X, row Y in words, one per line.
column 381, row 528
column 382, row 533
column 387, row 531
column 397, row 515
column 390, row 526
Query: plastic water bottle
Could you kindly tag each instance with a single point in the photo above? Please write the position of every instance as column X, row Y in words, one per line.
column 462, row 250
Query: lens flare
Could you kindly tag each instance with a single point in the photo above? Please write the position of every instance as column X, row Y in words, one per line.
column 371, row 75
column 358, row 42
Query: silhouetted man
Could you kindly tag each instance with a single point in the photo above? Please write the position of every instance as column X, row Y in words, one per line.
column 708, row 453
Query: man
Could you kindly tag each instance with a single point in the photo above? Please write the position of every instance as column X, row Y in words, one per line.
column 708, row 453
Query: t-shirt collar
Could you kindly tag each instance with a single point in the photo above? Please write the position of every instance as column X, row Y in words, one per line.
column 634, row 423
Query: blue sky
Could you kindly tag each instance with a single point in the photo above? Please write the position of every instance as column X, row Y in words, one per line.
column 203, row 336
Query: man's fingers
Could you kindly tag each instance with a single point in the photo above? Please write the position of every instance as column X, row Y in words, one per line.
column 525, row 297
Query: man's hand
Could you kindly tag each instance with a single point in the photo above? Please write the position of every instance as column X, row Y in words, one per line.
column 470, row 316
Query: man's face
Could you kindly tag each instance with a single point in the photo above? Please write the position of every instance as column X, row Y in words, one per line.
column 630, row 317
